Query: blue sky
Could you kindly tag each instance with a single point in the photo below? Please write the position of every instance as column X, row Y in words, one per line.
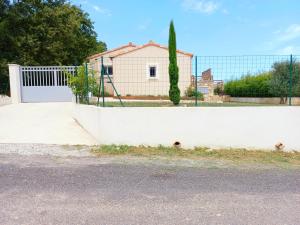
column 203, row 27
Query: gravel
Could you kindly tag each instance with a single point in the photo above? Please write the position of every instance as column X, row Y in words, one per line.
column 44, row 149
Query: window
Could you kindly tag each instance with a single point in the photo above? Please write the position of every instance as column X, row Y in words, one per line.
column 152, row 71
column 108, row 70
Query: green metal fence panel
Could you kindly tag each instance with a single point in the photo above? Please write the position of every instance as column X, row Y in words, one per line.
column 203, row 80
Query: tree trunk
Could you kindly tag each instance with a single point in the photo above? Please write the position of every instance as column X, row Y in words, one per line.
column 283, row 100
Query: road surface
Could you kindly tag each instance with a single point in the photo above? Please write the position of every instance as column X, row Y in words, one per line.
column 85, row 190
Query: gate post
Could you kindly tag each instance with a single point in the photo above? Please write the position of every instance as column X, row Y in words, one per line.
column 15, row 83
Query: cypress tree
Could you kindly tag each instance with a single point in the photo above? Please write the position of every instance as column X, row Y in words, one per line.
column 174, row 91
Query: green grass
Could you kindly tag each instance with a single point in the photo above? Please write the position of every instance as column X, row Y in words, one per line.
column 234, row 155
column 169, row 104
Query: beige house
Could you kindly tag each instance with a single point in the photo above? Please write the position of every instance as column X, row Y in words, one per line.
column 142, row 70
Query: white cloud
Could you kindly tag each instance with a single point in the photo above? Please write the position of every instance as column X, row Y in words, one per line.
column 102, row 10
column 288, row 50
column 201, row 6
column 290, row 33
column 285, row 41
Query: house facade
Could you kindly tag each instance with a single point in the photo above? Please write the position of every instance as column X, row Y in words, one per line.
column 142, row 70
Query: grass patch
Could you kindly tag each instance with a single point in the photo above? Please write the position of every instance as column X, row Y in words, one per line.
column 234, row 155
column 189, row 104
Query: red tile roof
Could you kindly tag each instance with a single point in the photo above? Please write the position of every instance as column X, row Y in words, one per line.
column 130, row 44
column 151, row 43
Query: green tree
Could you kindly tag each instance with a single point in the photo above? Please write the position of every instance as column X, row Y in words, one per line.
column 5, row 45
column 174, row 91
column 280, row 80
column 101, row 47
column 44, row 32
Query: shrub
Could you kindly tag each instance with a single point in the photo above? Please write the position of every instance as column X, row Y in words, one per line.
column 82, row 85
column 275, row 83
column 250, row 86
column 191, row 92
column 218, row 90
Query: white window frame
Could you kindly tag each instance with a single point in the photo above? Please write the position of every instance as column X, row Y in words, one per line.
column 148, row 71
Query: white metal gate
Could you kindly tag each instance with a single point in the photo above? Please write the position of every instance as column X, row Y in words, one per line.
column 46, row 83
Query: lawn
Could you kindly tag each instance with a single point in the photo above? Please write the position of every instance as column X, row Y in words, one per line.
column 234, row 155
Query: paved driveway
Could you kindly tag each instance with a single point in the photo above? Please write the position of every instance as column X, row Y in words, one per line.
column 47, row 123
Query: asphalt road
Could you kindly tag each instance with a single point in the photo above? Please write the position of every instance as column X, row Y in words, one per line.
column 51, row 190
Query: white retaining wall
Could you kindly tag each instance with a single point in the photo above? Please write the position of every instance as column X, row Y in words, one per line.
column 215, row 127
column 295, row 100
column 4, row 100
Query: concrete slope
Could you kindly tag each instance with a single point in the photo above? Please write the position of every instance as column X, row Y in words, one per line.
column 46, row 123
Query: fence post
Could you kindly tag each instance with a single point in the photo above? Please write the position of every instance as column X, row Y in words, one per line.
column 76, row 74
column 291, row 80
column 15, row 78
column 108, row 76
column 196, row 81
column 87, row 83
column 102, row 81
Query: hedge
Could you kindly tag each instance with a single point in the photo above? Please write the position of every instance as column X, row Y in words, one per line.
column 249, row 86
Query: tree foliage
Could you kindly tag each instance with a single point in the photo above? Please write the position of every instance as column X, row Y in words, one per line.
column 5, row 42
column 44, row 32
column 174, row 91
column 101, row 47
column 281, row 78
